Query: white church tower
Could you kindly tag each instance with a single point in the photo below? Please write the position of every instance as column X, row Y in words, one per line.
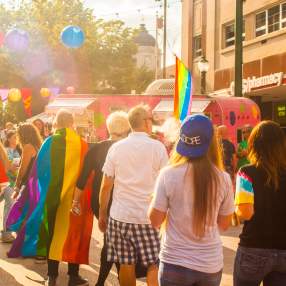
column 146, row 54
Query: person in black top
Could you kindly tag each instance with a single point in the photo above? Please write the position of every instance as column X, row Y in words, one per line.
column 260, row 200
column 118, row 128
column 229, row 158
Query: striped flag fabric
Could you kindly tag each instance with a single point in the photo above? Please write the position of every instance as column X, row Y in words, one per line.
column 41, row 216
column 183, row 91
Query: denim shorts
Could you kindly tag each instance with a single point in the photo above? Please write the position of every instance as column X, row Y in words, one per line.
column 254, row 265
column 174, row 275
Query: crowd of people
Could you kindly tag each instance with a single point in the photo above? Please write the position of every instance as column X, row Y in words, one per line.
column 161, row 212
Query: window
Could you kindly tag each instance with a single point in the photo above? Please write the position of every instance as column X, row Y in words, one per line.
column 197, row 52
column 261, row 25
column 283, row 15
column 230, row 34
column 271, row 20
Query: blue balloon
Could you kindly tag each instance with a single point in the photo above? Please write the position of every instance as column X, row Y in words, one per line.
column 17, row 40
column 72, row 36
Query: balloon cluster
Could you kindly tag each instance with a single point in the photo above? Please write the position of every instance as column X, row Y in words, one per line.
column 17, row 40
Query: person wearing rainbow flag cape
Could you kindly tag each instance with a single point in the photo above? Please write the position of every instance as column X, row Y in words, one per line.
column 41, row 216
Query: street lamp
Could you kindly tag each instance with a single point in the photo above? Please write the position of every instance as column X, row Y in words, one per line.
column 203, row 66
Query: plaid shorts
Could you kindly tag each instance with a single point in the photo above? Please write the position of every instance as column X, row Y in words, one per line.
column 129, row 243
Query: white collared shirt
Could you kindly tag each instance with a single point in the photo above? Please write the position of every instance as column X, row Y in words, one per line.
column 134, row 163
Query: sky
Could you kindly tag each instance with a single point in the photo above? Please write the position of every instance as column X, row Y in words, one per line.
column 135, row 12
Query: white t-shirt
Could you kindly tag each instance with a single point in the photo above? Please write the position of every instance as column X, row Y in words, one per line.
column 134, row 162
column 174, row 194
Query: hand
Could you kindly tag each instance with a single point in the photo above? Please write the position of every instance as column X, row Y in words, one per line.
column 15, row 193
column 102, row 222
column 76, row 209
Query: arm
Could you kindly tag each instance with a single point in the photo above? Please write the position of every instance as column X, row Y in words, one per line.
column 227, row 206
column 104, row 197
column 224, row 222
column 81, row 182
column 76, row 208
column 156, row 217
column 27, row 154
column 244, row 195
column 88, row 166
column 244, row 211
column 3, row 155
column 158, row 209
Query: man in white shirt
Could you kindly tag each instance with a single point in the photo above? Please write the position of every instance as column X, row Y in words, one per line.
column 132, row 166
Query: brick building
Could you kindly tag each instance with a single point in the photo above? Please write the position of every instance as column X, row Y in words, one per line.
column 208, row 30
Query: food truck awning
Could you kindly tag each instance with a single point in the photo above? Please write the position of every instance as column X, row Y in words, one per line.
column 76, row 105
column 167, row 106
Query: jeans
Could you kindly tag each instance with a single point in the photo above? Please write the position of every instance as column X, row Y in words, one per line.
column 174, row 275
column 6, row 195
column 53, row 268
column 254, row 265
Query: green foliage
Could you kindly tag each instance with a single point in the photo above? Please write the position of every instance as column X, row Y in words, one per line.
column 105, row 63
column 7, row 113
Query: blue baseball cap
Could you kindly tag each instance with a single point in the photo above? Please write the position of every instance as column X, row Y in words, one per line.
column 195, row 136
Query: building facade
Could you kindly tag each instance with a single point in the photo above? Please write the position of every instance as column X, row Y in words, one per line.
column 210, row 32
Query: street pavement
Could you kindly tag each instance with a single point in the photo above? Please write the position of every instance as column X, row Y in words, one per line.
column 16, row 272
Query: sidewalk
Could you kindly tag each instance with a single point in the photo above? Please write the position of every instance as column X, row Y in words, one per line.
column 16, row 272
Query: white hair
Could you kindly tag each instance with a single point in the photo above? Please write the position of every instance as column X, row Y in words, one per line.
column 64, row 119
column 117, row 123
column 171, row 129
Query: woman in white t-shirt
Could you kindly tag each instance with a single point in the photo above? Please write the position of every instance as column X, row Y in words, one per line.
column 196, row 199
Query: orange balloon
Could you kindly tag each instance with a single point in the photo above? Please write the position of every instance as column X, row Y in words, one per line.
column 14, row 95
column 45, row 92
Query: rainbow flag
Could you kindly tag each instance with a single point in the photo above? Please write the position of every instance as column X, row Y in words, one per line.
column 41, row 216
column 183, row 91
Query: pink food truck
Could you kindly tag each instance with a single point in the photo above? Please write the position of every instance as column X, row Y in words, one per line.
column 92, row 110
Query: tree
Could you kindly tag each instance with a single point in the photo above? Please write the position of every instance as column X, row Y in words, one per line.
column 107, row 54
column 104, row 64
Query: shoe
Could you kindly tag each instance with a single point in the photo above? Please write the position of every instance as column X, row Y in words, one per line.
column 51, row 281
column 40, row 259
column 7, row 237
column 77, row 280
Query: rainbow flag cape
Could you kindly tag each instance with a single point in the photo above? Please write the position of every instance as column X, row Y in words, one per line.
column 41, row 216
column 183, row 91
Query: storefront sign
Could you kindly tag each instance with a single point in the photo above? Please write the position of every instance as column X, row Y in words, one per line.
column 280, row 112
column 254, row 83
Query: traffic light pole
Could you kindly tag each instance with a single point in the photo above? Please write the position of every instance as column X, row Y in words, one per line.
column 238, row 48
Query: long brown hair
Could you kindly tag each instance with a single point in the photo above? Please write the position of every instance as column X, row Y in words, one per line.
column 206, row 180
column 28, row 134
column 267, row 150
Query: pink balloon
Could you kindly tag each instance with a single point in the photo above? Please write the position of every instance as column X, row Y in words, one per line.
column 2, row 36
column 70, row 89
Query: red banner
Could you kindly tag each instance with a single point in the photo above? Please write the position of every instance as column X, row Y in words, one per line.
column 27, row 100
